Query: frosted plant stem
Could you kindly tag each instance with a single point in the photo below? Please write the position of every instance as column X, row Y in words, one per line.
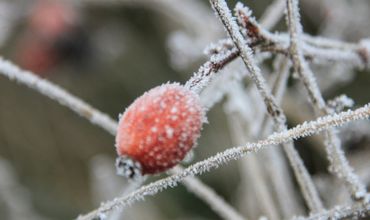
column 58, row 94
column 355, row 211
column 338, row 163
column 302, row 130
column 208, row 195
column 304, row 180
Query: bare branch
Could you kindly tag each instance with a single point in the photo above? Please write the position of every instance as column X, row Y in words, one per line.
column 58, row 94
column 354, row 211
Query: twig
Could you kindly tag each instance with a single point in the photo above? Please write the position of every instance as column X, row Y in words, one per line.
column 354, row 211
column 338, row 163
column 202, row 77
column 304, row 180
column 58, row 94
column 303, row 130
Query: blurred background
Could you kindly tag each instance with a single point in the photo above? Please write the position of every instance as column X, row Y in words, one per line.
column 56, row 165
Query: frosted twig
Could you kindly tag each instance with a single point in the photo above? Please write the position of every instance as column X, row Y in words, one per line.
column 354, row 211
column 208, row 195
column 338, row 163
column 303, row 130
column 58, row 94
column 304, row 180
column 202, row 77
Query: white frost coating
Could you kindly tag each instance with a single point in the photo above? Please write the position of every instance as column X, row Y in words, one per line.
column 323, row 55
column 201, row 78
column 303, row 130
column 174, row 110
column 169, row 132
column 216, row 90
column 340, row 212
column 340, row 102
column 58, row 94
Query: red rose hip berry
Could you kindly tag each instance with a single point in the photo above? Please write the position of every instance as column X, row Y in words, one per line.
column 158, row 130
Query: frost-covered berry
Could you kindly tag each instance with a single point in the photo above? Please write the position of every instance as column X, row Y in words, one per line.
column 158, row 130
